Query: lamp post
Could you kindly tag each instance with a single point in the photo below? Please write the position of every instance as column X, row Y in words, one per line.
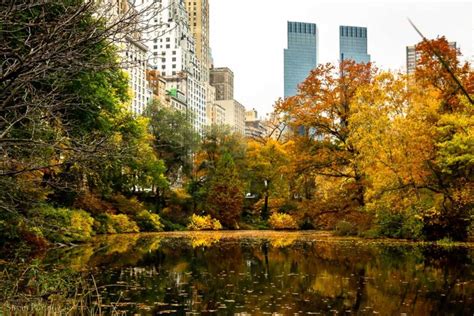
column 265, row 205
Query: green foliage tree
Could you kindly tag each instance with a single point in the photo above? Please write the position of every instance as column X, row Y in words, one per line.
column 225, row 197
column 174, row 139
column 216, row 141
column 65, row 127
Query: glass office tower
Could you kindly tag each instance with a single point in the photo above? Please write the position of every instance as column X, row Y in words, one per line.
column 353, row 44
column 301, row 55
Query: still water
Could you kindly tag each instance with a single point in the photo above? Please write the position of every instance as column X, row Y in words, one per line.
column 259, row 273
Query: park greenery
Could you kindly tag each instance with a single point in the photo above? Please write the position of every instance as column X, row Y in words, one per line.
column 364, row 152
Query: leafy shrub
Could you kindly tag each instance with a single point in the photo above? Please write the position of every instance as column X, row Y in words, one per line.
column 179, row 206
column 399, row 225
column 9, row 227
column 32, row 236
column 274, row 205
column 123, row 224
column 253, row 223
column 345, row 228
column 81, row 225
column 170, row 226
column 129, row 206
column 92, row 203
column 148, row 222
column 63, row 225
column 104, row 224
column 204, row 223
column 282, row 221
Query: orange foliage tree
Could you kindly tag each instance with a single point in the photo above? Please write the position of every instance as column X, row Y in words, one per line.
column 322, row 108
column 416, row 144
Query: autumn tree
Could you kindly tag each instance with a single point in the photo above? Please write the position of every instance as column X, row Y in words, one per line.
column 414, row 146
column 322, row 108
column 216, row 141
column 267, row 164
column 225, row 197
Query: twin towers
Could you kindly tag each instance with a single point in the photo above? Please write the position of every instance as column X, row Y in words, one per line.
column 301, row 55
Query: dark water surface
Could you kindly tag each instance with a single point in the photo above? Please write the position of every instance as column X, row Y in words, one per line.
column 261, row 273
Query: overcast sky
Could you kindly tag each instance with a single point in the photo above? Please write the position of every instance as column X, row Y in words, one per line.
column 249, row 36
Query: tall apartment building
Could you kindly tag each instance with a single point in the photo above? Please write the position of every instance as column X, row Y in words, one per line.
column 234, row 115
column 413, row 56
column 353, row 44
column 215, row 112
column 301, row 55
column 223, row 80
column 198, row 19
column 172, row 53
column 132, row 52
column 134, row 59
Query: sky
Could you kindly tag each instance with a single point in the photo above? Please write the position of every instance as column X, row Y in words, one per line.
column 249, row 36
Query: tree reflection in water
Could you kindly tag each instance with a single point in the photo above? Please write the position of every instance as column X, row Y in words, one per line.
column 282, row 273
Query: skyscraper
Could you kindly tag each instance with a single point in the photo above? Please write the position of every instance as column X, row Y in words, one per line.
column 353, row 44
column 198, row 18
column 301, row 55
column 172, row 52
column 413, row 57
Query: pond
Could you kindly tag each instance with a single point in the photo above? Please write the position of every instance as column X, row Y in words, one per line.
column 283, row 273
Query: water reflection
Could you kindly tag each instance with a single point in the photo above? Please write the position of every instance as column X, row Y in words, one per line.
column 285, row 273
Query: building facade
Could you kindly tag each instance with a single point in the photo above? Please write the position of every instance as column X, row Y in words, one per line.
column 157, row 85
column 134, row 59
column 353, row 44
column 132, row 51
column 234, row 115
column 172, row 53
column 301, row 55
column 254, row 127
column 223, row 80
column 413, row 56
column 198, row 20
column 215, row 112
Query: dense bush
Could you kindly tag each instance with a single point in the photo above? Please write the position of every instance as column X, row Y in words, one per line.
column 282, row 221
column 148, row 222
column 179, row 206
column 104, row 224
column 345, row 228
column 123, row 224
column 129, row 206
column 399, row 225
column 92, row 203
column 170, row 226
column 204, row 223
column 63, row 225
